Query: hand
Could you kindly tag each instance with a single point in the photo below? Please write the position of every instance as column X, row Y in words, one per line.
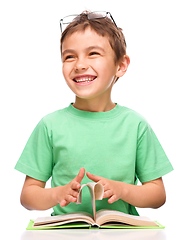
column 69, row 192
column 112, row 189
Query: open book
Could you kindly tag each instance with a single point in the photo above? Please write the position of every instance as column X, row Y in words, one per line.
column 102, row 219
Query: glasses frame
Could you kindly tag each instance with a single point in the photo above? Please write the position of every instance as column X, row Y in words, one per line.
column 88, row 16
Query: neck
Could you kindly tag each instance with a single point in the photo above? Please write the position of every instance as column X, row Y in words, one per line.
column 93, row 105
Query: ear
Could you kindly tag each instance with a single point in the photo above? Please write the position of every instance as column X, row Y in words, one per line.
column 123, row 66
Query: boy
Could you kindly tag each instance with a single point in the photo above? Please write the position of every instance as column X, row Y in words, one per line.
column 111, row 144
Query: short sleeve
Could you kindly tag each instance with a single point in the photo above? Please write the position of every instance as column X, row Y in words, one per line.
column 151, row 160
column 36, row 159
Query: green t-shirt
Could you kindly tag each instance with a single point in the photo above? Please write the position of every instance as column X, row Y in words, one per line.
column 118, row 144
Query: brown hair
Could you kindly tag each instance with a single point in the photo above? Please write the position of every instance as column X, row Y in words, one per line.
column 103, row 27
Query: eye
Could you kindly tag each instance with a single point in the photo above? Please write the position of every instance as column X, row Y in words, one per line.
column 93, row 53
column 68, row 58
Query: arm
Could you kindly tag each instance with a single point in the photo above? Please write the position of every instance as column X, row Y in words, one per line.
column 34, row 196
column 148, row 195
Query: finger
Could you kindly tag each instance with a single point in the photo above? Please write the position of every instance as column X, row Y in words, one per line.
column 107, row 194
column 112, row 199
column 71, row 199
column 68, row 200
column 74, row 193
column 64, row 203
column 75, row 185
column 92, row 177
column 80, row 175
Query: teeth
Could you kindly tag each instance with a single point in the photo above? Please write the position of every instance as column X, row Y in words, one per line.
column 85, row 79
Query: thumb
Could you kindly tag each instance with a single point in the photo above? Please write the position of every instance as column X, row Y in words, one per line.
column 80, row 175
column 92, row 177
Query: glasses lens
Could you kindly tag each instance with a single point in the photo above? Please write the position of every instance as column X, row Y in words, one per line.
column 69, row 19
column 96, row 15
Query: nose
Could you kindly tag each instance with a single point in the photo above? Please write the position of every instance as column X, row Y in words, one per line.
column 81, row 65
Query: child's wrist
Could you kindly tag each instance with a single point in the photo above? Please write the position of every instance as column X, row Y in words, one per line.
column 56, row 195
column 124, row 192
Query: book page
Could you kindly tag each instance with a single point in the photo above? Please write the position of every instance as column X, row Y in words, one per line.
column 96, row 191
column 104, row 212
column 63, row 219
column 105, row 216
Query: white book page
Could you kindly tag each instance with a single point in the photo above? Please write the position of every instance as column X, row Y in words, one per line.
column 104, row 212
column 96, row 191
column 60, row 218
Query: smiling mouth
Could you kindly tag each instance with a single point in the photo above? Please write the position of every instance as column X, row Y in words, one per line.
column 83, row 79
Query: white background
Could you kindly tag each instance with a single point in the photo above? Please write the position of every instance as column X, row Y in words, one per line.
column 32, row 85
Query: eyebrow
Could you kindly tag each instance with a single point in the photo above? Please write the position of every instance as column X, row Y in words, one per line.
column 95, row 47
column 87, row 49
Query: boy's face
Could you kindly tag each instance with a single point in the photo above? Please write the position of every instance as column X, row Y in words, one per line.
column 88, row 64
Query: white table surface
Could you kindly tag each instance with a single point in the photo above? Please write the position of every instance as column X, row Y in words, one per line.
column 100, row 234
